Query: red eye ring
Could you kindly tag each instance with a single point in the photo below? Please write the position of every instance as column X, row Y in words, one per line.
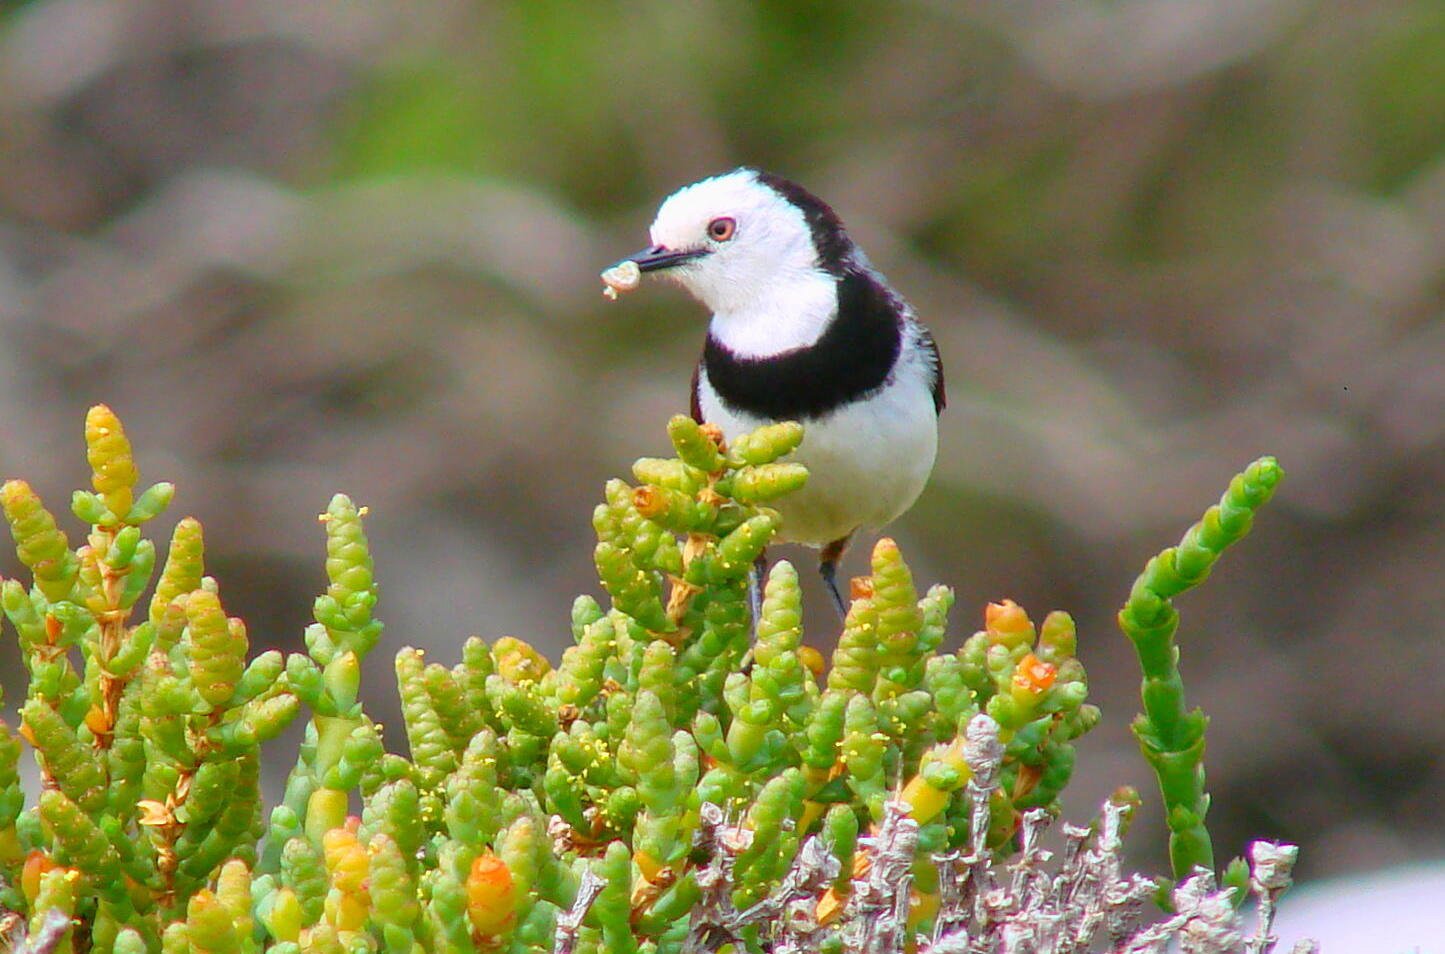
column 720, row 230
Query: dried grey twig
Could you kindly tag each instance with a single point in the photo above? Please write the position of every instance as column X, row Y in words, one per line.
column 714, row 917
column 570, row 921
column 875, row 919
column 1029, row 904
column 795, row 902
column 1271, row 868
column 47, row 938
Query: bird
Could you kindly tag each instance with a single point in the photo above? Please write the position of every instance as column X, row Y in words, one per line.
column 803, row 329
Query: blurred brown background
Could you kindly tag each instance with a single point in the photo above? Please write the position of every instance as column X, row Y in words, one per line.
column 353, row 244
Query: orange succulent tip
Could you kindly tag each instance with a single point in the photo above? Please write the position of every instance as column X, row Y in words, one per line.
column 715, row 434
column 812, row 811
column 28, row 734
column 646, row 864
column 52, row 629
column 338, row 837
column 353, row 823
column 813, row 659
column 97, row 721
column 1007, row 623
column 347, row 912
column 648, row 500
column 831, row 904
column 37, row 863
column 860, row 588
column 1033, row 674
column 491, row 894
column 1028, row 779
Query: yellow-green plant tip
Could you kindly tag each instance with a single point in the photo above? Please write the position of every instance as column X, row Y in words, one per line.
column 176, row 939
column 151, row 503
column 893, row 591
column 89, row 508
column 342, row 679
column 80, row 843
column 762, row 483
column 393, row 892
column 113, row 468
column 646, row 753
column 780, row 628
column 284, row 919
column 899, row 619
column 855, row 660
column 431, row 747
column 233, row 890
column 303, row 871
column 741, row 548
column 1058, row 639
column 672, row 509
column 767, row 443
column 39, row 543
column 522, row 847
column 210, row 926
column 59, row 890
column 68, row 763
column 458, row 718
column 129, row 941
column 184, row 567
column 345, row 609
column 693, row 444
column 217, row 648
column 670, row 473
column 580, row 677
column 518, row 661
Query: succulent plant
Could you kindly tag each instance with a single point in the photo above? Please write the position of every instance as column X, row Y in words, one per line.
column 684, row 778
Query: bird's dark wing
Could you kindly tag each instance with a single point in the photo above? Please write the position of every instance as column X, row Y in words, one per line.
column 940, row 397
column 694, row 402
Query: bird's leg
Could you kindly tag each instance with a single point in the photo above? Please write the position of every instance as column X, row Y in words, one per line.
column 828, row 570
column 755, row 590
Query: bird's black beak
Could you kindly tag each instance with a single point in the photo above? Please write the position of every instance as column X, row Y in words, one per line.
column 659, row 257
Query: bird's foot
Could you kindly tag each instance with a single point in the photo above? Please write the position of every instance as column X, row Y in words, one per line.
column 828, row 570
column 756, row 576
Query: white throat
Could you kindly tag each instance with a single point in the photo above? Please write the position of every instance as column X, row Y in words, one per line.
column 791, row 314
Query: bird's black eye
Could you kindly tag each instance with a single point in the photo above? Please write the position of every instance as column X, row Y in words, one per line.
column 720, row 230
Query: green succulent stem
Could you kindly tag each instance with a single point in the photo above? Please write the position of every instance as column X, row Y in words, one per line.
column 1170, row 735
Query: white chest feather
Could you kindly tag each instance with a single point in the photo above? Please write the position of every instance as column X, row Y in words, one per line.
column 867, row 461
column 783, row 315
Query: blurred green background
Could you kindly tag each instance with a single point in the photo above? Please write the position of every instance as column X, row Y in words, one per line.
column 354, row 244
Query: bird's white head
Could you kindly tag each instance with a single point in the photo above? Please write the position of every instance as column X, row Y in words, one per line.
column 747, row 243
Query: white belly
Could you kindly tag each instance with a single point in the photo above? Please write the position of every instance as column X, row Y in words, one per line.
column 867, row 462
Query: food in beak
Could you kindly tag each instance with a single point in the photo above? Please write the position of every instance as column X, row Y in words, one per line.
column 622, row 277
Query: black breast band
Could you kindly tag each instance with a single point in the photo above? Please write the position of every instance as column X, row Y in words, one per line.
column 852, row 359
